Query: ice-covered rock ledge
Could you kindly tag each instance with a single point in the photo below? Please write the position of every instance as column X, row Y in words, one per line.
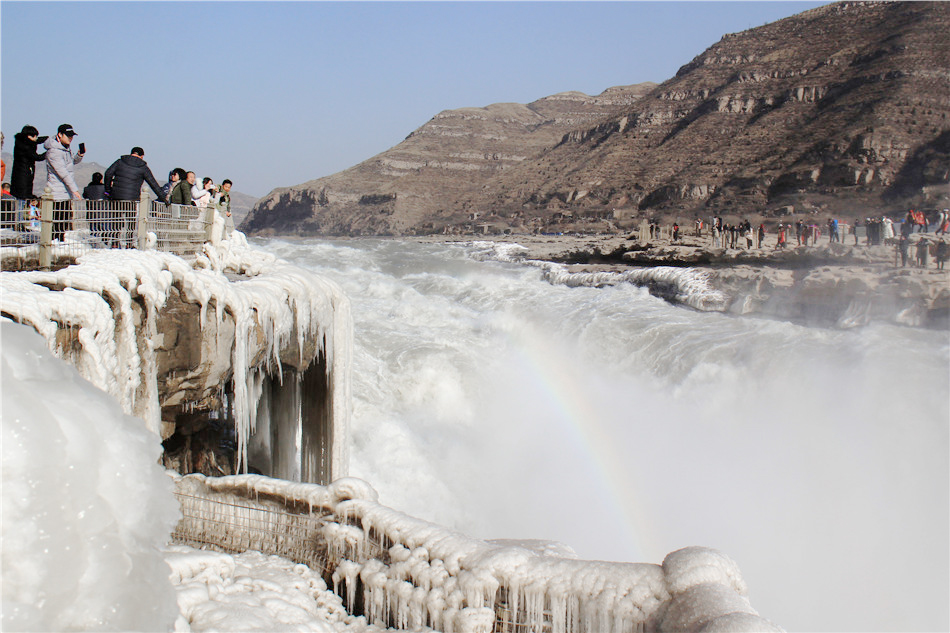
column 181, row 343
column 829, row 286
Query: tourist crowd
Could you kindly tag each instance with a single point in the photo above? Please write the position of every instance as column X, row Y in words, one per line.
column 122, row 181
column 875, row 231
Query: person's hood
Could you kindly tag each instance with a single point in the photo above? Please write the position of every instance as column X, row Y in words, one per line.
column 53, row 142
column 21, row 138
column 132, row 161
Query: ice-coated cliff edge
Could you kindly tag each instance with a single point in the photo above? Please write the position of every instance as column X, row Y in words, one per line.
column 165, row 335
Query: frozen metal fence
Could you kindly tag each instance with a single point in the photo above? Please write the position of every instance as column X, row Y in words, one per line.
column 229, row 523
column 51, row 234
column 235, row 517
column 181, row 229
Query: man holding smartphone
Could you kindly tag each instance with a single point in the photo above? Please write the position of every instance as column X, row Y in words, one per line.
column 59, row 164
column 59, row 177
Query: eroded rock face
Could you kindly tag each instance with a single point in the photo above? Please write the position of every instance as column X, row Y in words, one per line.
column 413, row 186
column 842, row 108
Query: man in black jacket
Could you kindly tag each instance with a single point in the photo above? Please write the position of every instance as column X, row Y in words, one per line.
column 125, row 176
column 24, row 157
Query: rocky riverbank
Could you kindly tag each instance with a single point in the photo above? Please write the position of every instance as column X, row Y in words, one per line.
column 839, row 285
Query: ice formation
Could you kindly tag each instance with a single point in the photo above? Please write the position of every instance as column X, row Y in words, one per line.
column 252, row 592
column 410, row 574
column 254, row 287
column 688, row 286
column 86, row 508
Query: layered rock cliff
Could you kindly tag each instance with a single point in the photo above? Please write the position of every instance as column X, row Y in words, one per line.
column 841, row 108
column 415, row 185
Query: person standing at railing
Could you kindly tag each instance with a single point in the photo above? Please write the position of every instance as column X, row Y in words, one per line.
column 25, row 158
column 174, row 177
column 204, row 195
column 182, row 192
column 59, row 177
column 123, row 182
column 125, row 176
column 223, row 204
column 95, row 190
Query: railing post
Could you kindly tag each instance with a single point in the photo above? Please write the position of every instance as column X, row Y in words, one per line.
column 209, row 223
column 141, row 221
column 46, row 228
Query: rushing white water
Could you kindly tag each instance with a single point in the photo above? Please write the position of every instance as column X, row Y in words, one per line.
column 489, row 399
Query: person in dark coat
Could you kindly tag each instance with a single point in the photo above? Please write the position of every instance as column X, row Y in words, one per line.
column 95, row 190
column 181, row 194
column 24, row 158
column 125, row 176
column 98, row 214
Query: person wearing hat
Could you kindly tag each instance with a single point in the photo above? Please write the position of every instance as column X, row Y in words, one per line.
column 59, row 164
column 59, row 177
column 25, row 158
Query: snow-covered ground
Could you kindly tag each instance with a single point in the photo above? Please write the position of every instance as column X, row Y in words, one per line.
column 87, row 513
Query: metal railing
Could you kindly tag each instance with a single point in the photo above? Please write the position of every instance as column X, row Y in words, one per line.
column 230, row 514
column 55, row 233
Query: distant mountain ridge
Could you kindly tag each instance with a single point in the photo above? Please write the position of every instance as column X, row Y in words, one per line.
column 843, row 108
column 416, row 182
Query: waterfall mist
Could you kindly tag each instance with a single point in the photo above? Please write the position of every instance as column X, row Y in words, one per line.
column 491, row 401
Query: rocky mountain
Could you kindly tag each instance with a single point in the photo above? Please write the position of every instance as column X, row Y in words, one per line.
column 841, row 109
column 415, row 185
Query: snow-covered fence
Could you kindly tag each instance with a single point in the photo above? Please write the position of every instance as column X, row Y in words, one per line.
column 406, row 573
column 59, row 232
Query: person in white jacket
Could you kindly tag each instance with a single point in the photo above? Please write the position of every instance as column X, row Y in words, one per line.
column 59, row 177
column 59, row 164
column 203, row 195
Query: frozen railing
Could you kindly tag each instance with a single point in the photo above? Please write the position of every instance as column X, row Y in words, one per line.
column 58, row 232
column 409, row 574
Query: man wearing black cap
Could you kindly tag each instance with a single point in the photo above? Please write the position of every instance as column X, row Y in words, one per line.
column 59, row 177
column 125, row 176
column 59, row 164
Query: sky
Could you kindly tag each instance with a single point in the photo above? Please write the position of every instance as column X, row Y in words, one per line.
column 273, row 94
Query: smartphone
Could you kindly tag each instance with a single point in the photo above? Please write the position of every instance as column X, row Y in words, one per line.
column 82, row 148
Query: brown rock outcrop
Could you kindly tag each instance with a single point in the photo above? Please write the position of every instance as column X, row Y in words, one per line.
column 412, row 186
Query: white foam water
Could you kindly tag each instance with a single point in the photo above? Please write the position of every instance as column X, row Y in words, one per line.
column 499, row 399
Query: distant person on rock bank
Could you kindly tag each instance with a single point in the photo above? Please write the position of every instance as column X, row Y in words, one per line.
column 902, row 245
column 125, row 176
column 923, row 252
column 182, row 192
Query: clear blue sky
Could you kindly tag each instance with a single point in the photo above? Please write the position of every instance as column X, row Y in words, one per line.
column 272, row 94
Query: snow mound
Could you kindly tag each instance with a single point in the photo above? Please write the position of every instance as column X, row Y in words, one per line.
column 86, row 508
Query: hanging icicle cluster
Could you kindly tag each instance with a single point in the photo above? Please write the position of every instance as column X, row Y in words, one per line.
column 270, row 301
